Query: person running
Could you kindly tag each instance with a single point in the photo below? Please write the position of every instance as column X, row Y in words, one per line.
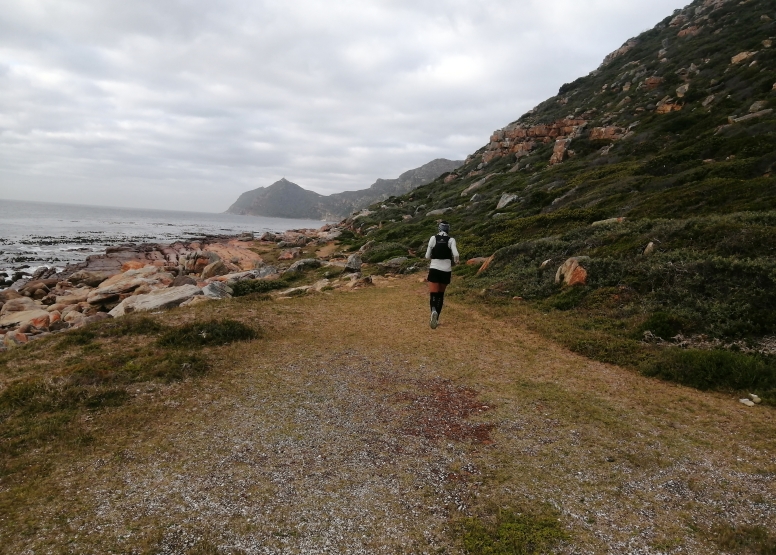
column 443, row 253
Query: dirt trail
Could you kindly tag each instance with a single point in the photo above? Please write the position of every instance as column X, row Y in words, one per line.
column 352, row 427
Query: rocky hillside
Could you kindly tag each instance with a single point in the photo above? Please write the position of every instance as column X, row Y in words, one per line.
column 640, row 199
column 284, row 199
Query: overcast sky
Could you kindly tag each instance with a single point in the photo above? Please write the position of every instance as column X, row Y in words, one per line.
column 185, row 104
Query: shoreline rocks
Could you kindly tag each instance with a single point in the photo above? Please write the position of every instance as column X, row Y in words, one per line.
column 144, row 277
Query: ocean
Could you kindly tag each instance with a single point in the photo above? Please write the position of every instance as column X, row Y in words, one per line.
column 35, row 234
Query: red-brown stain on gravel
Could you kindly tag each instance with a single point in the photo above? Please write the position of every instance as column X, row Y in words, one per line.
column 439, row 409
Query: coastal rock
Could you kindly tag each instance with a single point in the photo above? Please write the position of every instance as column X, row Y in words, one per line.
column 112, row 289
column 34, row 287
column 290, row 254
column 19, row 304
column 37, row 318
column 94, row 318
column 91, row 278
column 217, row 268
column 198, row 299
column 159, row 299
column 8, row 294
column 304, row 265
column 14, row 339
column 572, row 272
column 217, row 290
column 183, row 280
column 73, row 297
column 353, row 264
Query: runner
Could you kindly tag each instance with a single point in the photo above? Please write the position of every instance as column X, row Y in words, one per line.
column 443, row 253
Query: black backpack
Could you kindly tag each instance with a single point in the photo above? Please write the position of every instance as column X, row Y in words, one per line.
column 442, row 250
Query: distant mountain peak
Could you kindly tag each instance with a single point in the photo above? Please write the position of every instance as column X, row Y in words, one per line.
column 285, row 199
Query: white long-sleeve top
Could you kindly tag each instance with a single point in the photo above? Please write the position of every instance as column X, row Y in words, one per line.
column 442, row 265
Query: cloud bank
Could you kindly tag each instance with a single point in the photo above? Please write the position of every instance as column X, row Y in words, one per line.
column 185, row 104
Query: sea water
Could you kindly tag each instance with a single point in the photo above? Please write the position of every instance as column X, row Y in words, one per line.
column 35, row 234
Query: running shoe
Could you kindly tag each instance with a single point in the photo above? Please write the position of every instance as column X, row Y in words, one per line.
column 434, row 319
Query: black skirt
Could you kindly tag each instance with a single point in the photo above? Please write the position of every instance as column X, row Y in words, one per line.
column 438, row 276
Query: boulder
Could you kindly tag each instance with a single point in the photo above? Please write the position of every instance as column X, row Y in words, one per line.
column 14, row 339
column 394, row 264
column 608, row 221
column 217, row 290
column 37, row 318
column 159, row 299
column 440, row 212
column 474, row 186
column 32, row 288
column 217, row 268
column 294, row 292
column 183, row 280
column 73, row 297
column 741, row 56
column 8, row 294
column 199, row 299
column 97, row 317
column 123, row 284
column 610, row 133
column 290, row 254
column 304, row 265
column 90, row 277
column 505, row 199
column 354, row 263
column 20, row 304
column 486, row 264
column 572, row 272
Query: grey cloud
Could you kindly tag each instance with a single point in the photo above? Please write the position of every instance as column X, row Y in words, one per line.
column 187, row 104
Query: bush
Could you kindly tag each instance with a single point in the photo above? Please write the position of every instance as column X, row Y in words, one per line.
column 662, row 325
column 384, row 251
column 512, row 533
column 248, row 286
column 215, row 332
column 717, row 369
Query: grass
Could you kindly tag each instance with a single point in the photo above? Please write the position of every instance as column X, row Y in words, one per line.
column 716, row 369
column 745, row 539
column 214, row 332
column 511, row 532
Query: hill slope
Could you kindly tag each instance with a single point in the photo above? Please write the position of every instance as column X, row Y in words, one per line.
column 668, row 148
column 284, row 199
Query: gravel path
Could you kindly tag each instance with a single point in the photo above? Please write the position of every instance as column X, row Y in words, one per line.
column 353, row 428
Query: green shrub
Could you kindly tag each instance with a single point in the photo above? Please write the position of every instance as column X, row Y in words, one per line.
column 662, row 325
column 214, row 332
column 384, row 251
column 717, row 369
column 512, row 533
column 248, row 286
